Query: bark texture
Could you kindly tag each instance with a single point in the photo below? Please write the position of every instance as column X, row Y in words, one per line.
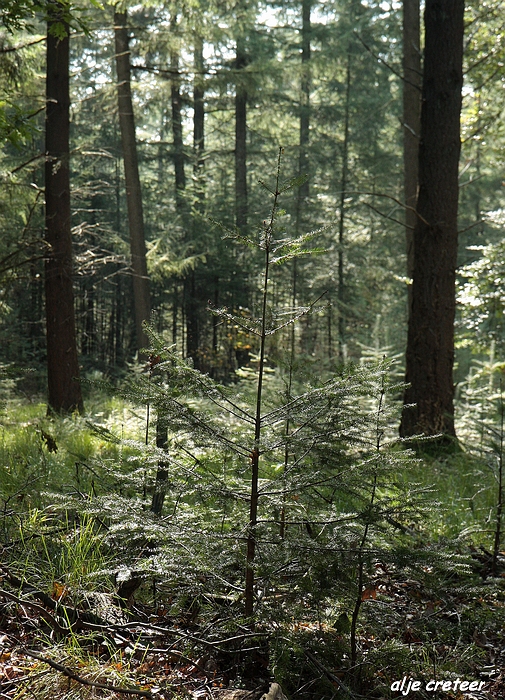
column 64, row 389
column 177, row 133
column 430, row 345
column 303, row 192
column 412, row 86
column 199, row 124
column 141, row 294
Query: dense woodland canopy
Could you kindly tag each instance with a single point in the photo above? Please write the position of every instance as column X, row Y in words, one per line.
column 210, row 210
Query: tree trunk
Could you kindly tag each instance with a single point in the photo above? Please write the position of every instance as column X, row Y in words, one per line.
column 177, row 133
column 341, row 220
column 160, row 486
column 240, row 140
column 141, row 295
column 199, row 125
column 64, row 389
column 303, row 163
column 430, row 345
column 192, row 321
column 412, row 85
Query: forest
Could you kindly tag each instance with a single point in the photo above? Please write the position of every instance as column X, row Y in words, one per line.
column 252, row 349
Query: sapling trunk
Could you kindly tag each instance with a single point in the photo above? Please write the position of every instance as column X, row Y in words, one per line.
column 256, row 452
column 361, row 565
column 499, row 503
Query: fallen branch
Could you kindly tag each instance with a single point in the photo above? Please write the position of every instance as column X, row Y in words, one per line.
column 84, row 681
column 38, row 608
column 329, row 674
column 77, row 617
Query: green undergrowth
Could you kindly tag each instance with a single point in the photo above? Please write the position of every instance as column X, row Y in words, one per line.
column 425, row 611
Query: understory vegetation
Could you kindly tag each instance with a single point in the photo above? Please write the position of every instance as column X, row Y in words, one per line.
column 372, row 562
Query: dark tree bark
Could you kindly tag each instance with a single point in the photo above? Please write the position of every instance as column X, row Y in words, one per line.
column 64, row 389
column 141, row 294
column 177, row 133
column 412, row 85
column 199, row 124
column 160, row 486
column 341, row 219
column 303, row 162
column 430, row 345
column 192, row 321
column 240, row 139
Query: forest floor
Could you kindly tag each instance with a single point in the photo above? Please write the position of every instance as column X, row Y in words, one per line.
column 455, row 637
column 425, row 631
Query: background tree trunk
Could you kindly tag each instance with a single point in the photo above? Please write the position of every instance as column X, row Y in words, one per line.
column 240, row 140
column 64, row 389
column 341, row 219
column 199, row 124
column 177, row 133
column 430, row 345
column 303, row 163
column 141, row 295
column 412, row 85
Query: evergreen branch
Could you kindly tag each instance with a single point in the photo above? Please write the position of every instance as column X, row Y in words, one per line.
column 304, row 312
column 202, row 423
column 385, row 63
column 234, row 234
column 393, row 199
column 388, row 217
column 235, row 319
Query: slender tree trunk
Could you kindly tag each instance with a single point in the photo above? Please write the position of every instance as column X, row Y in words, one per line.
column 412, row 85
column 177, row 132
column 141, row 295
column 430, row 344
column 341, row 219
column 64, row 389
column 240, row 139
column 160, row 486
column 303, row 162
column 199, row 125
column 192, row 324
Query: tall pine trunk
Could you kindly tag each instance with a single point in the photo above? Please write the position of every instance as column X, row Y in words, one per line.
column 430, row 344
column 199, row 124
column 303, row 162
column 412, row 85
column 177, row 132
column 344, row 176
column 141, row 294
column 64, row 389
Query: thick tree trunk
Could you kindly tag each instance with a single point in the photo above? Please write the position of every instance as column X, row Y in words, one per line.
column 412, row 85
column 64, row 389
column 430, row 345
column 141, row 295
column 240, row 140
